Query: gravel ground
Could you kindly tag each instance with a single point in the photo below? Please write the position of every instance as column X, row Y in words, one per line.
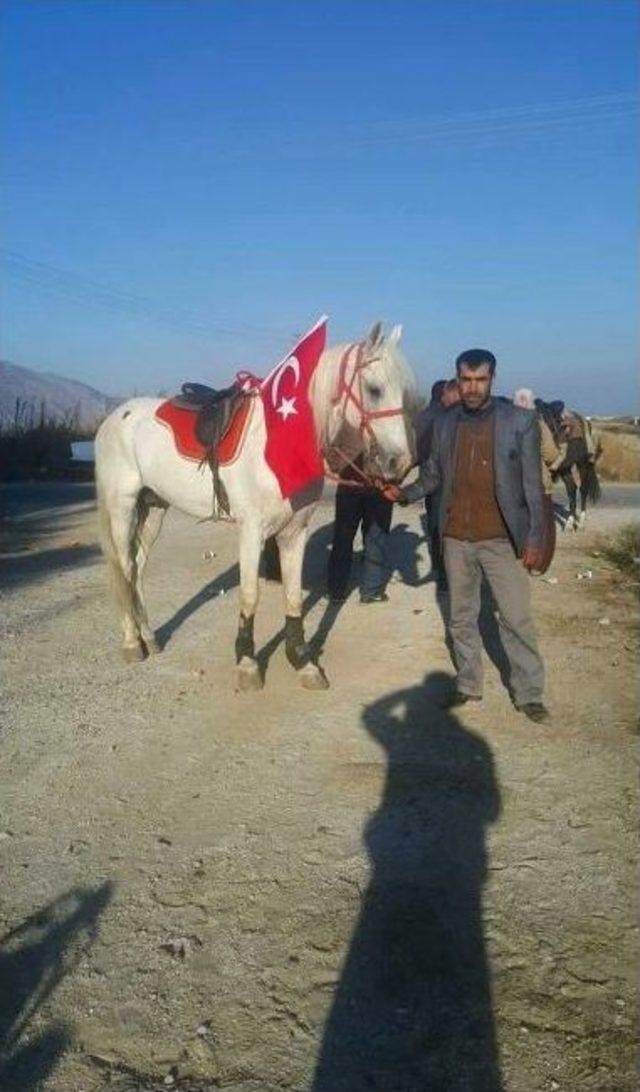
column 322, row 892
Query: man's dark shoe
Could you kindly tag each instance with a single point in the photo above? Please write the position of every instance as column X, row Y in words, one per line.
column 379, row 597
column 459, row 698
column 535, row 711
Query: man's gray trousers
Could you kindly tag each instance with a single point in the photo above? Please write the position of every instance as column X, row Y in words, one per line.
column 466, row 563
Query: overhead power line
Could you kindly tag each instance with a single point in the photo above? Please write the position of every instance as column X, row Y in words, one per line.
column 75, row 286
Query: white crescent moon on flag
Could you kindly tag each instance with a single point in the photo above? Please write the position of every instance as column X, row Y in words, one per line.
column 291, row 363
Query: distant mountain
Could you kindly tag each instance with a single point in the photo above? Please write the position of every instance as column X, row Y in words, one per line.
column 62, row 399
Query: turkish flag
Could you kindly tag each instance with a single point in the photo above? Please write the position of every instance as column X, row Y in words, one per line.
column 292, row 449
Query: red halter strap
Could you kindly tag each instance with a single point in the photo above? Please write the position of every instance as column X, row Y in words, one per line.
column 346, row 389
column 346, row 393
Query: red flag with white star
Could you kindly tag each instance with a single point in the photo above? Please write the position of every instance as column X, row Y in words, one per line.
column 292, row 449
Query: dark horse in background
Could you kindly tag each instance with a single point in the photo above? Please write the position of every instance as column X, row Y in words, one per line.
column 572, row 431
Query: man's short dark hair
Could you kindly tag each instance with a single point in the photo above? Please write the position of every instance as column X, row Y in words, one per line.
column 475, row 358
column 437, row 389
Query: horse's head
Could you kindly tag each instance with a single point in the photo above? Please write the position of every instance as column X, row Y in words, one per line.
column 373, row 405
column 553, row 414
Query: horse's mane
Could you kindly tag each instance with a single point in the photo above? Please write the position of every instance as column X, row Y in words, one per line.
column 391, row 365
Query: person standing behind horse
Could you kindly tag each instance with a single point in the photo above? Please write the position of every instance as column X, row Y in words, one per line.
column 358, row 505
column 552, row 454
column 485, row 460
column 444, row 393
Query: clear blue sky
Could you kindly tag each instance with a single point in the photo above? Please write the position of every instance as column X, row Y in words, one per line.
column 191, row 182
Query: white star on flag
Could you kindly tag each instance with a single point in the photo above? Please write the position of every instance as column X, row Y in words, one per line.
column 287, row 407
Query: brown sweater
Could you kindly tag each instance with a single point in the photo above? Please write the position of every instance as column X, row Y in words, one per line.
column 473, row 513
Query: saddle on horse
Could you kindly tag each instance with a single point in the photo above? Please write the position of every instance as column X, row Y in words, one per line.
column 209, row 426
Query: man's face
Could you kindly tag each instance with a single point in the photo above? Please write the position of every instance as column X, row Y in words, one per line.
column 474, row 385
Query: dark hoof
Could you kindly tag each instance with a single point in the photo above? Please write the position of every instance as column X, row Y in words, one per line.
column 152, row 645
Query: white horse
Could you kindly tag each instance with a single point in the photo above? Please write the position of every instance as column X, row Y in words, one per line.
column 366, row 389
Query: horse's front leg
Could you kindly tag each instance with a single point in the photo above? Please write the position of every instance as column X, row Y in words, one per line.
column 571, row 523
column 291, row 543
column 584, row 491
column 249, row 677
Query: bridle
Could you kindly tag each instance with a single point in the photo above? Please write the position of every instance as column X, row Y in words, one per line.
column 350, row 390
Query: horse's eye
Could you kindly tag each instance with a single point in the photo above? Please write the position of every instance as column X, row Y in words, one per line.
column 373, row 391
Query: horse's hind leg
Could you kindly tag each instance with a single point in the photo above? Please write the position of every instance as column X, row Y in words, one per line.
column 118, row 521
column 150, row 516
column 291, row 543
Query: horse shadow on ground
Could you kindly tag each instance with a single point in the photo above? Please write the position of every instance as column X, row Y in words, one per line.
column 220, row 585
column 413, row 1011
column 403, row 554
column 34, row 958
column 313, row 580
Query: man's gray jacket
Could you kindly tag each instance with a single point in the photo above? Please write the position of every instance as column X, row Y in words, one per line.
column 517, row 469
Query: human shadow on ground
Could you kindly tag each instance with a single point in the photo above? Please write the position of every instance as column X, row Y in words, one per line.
column 488, row 627
column 413, row 1010
column 34, row 958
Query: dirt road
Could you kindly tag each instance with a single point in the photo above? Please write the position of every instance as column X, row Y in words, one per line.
column 322, row 892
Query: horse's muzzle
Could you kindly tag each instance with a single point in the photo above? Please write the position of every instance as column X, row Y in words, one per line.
column 392, row 468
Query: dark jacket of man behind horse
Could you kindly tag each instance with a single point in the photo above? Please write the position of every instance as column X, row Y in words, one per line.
column 485, row 463
column 444, row 394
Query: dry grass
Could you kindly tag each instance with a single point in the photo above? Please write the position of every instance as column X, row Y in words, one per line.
column 623, row 549
column 620, row 444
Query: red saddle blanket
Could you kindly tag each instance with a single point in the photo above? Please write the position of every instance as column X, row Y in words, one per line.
column 181, row 422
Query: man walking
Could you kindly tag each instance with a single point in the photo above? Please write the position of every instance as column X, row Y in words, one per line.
column 485, row 463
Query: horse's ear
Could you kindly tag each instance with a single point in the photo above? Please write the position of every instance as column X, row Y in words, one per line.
column 396, row 334
column 374, row 337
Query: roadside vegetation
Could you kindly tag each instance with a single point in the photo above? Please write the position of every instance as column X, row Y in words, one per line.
column 35, row 444
column 623, row 549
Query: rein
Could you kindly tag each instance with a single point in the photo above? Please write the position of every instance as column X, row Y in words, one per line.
column 346, row 392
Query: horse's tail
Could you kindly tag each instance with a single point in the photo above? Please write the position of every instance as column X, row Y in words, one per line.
column 591, row 483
